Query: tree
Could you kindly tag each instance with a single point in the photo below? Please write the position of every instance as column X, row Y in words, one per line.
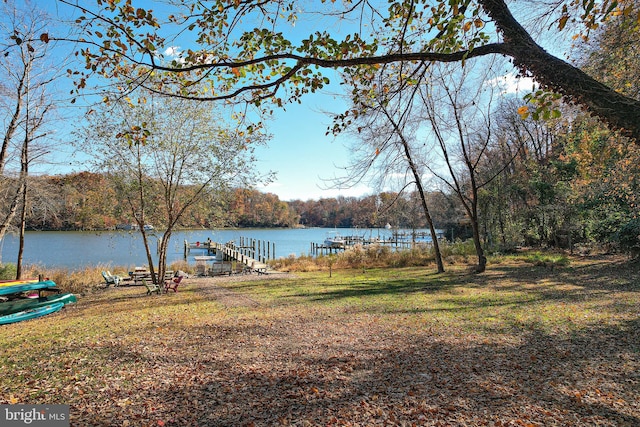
column 612, row 54
column 459, row 112
column 571, row 181
column 603, row 179
column 229, row 60
column 27, row 107
column 385, row 125
column 165, row 155
column 512, row 209
column 251, row 208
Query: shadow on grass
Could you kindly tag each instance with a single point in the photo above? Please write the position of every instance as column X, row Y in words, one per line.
column 587, row 379
column 532, row 284
column 380, row 287
column 597, row 274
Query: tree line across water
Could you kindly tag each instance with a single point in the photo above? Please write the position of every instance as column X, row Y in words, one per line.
column 90, row 201
column 582, row 191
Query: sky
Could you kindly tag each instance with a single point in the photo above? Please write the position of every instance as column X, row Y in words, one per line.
column 302, row 155
column 299, row 152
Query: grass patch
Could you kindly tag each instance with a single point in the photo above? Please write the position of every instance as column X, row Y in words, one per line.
column 547, row 259
column 518, row 345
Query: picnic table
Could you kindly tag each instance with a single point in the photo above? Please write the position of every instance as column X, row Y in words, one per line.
column 138, row 275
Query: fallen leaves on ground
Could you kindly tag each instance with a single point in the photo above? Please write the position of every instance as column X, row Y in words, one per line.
column 224, row 354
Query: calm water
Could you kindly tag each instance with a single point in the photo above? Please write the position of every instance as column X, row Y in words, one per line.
column 73, row 249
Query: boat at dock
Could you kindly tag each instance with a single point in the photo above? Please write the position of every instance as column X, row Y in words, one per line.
column 334, row 240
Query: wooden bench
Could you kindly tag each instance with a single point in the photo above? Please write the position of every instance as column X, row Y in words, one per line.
column 220, row 268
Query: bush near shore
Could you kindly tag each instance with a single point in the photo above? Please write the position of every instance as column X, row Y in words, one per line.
column 380, row 256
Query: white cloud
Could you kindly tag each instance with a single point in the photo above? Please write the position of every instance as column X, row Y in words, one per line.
column 510, row 83
column 173, row 51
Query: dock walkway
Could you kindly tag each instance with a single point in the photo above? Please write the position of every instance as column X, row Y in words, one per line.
column 231, row 253
column 227, row 252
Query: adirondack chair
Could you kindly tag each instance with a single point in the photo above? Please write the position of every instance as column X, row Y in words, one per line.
column 110, row 279
column 151, row 287
column 172, row 284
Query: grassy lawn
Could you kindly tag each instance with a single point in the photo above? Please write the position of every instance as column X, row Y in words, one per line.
column 520, row 345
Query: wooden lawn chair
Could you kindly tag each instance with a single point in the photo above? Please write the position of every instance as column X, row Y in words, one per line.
column 172, row 284
column 110, row 279
column 151, row 287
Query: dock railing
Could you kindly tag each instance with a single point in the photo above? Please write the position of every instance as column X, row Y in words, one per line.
column 231, row 252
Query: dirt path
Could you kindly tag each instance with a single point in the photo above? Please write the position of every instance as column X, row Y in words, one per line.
column 211, row 286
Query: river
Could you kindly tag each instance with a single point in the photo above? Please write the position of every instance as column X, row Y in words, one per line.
column 77, row 249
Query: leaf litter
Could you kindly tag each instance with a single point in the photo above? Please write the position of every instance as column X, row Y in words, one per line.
column 225, row 353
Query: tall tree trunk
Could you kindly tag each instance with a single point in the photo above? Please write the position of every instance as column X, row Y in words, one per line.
column 13, row 209
column 482, row 259
column 475, row 219
column 140, row 214
column 432, row 229
column 23, row 221
column 13, row 124
column 24, row 172
column 162, row 255
column 154, row 276
column 418, row 180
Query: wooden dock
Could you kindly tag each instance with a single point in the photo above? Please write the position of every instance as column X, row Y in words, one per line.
column 395, row 242
column 207, row 247
column 231, row 252
column 252, row 254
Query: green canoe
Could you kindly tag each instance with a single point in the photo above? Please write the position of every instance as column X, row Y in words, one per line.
column 19, row 305
column 16, row 289
column 31, row 313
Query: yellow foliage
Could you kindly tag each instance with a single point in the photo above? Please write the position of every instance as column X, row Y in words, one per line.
column 523, row 111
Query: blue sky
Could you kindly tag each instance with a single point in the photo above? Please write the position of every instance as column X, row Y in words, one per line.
column 303, row 157
column 300, row 153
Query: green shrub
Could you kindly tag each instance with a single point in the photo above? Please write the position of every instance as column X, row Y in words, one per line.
column 458, row 248
column 7, row 271
column 628, row 237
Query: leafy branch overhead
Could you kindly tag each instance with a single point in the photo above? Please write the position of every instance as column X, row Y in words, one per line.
column 252, row 51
